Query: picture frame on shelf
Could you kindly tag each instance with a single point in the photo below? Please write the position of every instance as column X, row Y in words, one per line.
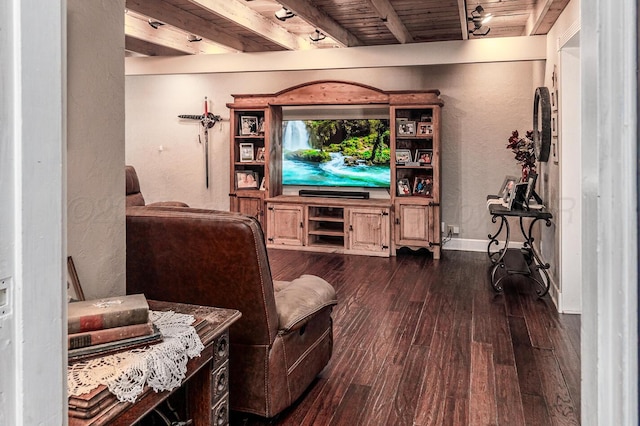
column 426, row 118
column 531, row 186
column 406, row 128
column 505, row 189
column 424, row 156
column 511, row 195
column 263, row 185
column 246, row 179
column 248, row 125
column 403, row 156
column 260, row 154
column 261, row 125
column 74, row 289
column 404, row 188
column 246, row 152
column 423, row 186
column 424, row 129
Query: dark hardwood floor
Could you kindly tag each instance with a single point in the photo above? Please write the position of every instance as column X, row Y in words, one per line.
column 424, row 342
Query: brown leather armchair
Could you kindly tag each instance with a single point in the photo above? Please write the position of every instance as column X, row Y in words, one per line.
column 284, row 337
column 134, row 196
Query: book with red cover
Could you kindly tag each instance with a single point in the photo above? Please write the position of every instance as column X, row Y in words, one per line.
column 96, row 337
column 104, row 349
column 109, row 312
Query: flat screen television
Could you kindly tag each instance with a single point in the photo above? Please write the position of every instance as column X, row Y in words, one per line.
column 336, row 153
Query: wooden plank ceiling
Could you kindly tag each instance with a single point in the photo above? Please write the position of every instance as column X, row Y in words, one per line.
column 191, row 27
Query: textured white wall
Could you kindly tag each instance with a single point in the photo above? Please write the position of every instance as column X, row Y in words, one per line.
column 483, row 104
column 95, row 145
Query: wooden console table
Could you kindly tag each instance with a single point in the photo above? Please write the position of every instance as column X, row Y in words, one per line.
column 525, row 261
column 206, row 377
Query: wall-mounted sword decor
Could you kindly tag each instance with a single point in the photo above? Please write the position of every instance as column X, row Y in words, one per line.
column 208, row 120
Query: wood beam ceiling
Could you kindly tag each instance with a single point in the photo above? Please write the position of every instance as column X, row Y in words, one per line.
column 320, row 20
column 235, row 11
column 137, row 26
column 388, row 15
column 174, row 16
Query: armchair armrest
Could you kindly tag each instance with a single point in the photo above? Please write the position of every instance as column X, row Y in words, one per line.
column 300, row 299
column 168, row 204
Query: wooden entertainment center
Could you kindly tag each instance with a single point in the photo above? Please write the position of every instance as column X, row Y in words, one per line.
column 371, row 226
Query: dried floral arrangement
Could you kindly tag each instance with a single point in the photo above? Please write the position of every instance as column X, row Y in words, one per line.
column 524, row 151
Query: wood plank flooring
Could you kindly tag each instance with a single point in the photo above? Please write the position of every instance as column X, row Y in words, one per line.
column 424, row 342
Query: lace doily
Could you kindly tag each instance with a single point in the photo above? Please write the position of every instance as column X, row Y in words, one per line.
column 162, row 366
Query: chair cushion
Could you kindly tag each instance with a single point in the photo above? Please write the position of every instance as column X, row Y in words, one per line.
column 299, row 299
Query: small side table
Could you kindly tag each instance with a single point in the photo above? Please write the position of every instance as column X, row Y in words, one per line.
column 206, row 377
column 514, row 261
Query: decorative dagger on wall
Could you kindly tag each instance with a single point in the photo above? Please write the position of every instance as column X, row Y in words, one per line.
column 208, row 120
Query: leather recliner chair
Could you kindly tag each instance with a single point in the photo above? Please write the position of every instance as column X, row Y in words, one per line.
column 284, row 337
column 134, row 196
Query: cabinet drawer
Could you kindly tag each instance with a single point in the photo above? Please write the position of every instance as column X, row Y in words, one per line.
column 219, row 383
column 221, row 349
column 220, row 412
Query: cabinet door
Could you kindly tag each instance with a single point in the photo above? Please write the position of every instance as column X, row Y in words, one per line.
column 285, row 224
column 368, row 229
column 414, row 225
column 251, row 206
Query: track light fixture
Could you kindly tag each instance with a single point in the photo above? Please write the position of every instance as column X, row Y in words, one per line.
column 479, row 18
column 155, row 24
column 317, row 36
column 284, row 14
column 193, row 38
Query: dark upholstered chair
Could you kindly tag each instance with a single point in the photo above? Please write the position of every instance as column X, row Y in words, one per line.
column 284, row 337
column 134, row 196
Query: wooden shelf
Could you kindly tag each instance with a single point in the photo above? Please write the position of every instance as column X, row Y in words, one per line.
column 249, row 136
column 402, row 166
column 326, row 232
column 326, row 219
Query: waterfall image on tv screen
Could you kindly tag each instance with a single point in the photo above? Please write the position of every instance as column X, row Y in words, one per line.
column 336, row 153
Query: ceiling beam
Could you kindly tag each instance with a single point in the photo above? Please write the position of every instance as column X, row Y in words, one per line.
column 174, row 16
column 537, row 16
column 464, row 21
column 388, row 14
column 137, row 26
column 320, row 20
column 144, row 48
column 235, row 11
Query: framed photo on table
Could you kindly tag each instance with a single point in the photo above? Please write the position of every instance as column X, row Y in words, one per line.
column 246, row 152
column 505, row 190
column 260, row 154
column 248, row 125
column 246, row 179
column 74, row 289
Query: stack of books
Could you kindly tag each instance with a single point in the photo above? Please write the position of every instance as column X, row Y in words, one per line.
column 103, row 326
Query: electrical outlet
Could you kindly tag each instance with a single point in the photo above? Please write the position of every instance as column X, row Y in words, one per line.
column 450, row 230
column 456, row 229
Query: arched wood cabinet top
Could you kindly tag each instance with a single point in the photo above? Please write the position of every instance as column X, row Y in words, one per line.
column 330, row 92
